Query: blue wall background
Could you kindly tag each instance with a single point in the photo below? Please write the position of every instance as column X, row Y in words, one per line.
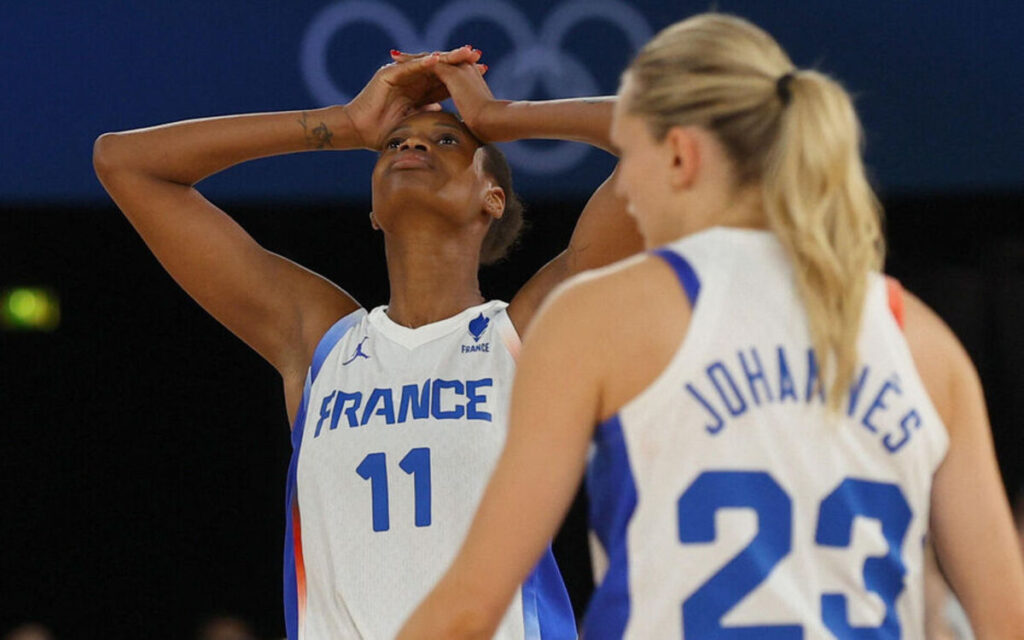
column 937, row 83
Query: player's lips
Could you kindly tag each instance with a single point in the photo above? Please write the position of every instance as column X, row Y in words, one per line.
column 411, row 159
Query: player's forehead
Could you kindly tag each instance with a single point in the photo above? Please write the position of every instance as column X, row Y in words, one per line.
column 431, row 120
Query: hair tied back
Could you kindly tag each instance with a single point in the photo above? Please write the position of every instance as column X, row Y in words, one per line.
column 782, row 87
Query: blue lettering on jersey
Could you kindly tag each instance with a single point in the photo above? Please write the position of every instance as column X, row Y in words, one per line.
column 438, row 399
column 436, row 403
column 813, row 381
column 387, row 406
column 347, row 403
column 716, row 423
column 876, row 405
column 420, row 404
column 484, row 347
column 855, row 389
column 325, row 412
column 755, row 375
column 472, row 410
column 734, row 401
column 786, row 386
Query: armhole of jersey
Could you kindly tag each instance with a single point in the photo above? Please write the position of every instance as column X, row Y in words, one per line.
column 508, row 334
column 684, row 271
column 895, row 291
column 702, row 321
column 320, row 353
column 894, row 295
column 331, row 338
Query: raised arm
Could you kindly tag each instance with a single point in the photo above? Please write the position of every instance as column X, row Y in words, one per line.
column 604, row 232
column 578, row 119
column 274, row 305
column 971, row 526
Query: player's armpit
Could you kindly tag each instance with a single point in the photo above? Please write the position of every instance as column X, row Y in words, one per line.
column 272, row 304
column 604, row 234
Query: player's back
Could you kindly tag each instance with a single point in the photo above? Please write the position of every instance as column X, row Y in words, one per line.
column 724, row 496
column 398, row 432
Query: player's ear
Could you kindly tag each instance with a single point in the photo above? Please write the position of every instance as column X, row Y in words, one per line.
column 494, row 201
column 683, row 150
column 373, row 222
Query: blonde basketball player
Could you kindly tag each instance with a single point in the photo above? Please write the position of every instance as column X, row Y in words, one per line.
column 399, row 413
column 778, row 429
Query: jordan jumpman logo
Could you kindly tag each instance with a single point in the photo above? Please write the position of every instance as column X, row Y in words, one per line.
column 359, row 352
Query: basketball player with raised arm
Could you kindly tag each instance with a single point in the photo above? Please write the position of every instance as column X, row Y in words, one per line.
column 398, row 413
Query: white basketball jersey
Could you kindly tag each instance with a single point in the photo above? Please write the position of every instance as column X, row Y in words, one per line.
column 397, row 434
column 727, row 503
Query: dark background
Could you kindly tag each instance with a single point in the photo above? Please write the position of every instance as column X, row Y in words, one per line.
column 145, row 449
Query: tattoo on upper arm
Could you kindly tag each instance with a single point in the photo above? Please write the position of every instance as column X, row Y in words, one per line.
column 319, row 136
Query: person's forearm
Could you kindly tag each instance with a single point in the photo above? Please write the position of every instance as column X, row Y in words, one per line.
column 579, row 119
column 186, row 152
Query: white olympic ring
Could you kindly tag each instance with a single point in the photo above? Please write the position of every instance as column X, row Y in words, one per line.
column 536, row 60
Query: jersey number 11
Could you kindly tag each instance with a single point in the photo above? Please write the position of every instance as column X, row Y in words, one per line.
column 415, row 463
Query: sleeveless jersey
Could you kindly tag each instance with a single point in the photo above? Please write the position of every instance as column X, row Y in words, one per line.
column 397, row 434
column 726, row 502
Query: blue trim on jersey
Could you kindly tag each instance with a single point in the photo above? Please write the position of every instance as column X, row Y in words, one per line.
column 547, row 611
column 687, row 276
column 331, row 338
column 291, row 587
column 612, row 492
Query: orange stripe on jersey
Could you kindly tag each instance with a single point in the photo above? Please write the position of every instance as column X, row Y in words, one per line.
column 895, row 299
column 300, row 567
column 510, row 338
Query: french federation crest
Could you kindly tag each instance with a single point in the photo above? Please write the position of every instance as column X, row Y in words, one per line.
column 477, row 326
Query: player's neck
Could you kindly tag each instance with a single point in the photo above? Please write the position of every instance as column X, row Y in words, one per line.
column 430, row 279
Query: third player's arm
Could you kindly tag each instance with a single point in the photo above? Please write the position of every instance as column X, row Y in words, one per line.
column 971, row 526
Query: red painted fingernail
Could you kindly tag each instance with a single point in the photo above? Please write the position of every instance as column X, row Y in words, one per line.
column 484, row 68
column 396, row 52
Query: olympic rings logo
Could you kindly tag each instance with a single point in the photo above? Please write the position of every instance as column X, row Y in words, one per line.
column 537, row 60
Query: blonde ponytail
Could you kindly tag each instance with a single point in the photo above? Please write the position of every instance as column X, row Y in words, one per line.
column 822, row 209
column 797, row 135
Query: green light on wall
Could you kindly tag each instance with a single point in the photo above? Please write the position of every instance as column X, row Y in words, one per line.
column 29, row 309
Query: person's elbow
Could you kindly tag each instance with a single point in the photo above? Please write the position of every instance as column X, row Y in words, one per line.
column 108, row 156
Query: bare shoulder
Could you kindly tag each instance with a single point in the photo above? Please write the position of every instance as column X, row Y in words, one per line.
column 941, row 361
column 625, row 321
column 599, row 298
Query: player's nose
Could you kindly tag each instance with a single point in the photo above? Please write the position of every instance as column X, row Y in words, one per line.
column 415, row 141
